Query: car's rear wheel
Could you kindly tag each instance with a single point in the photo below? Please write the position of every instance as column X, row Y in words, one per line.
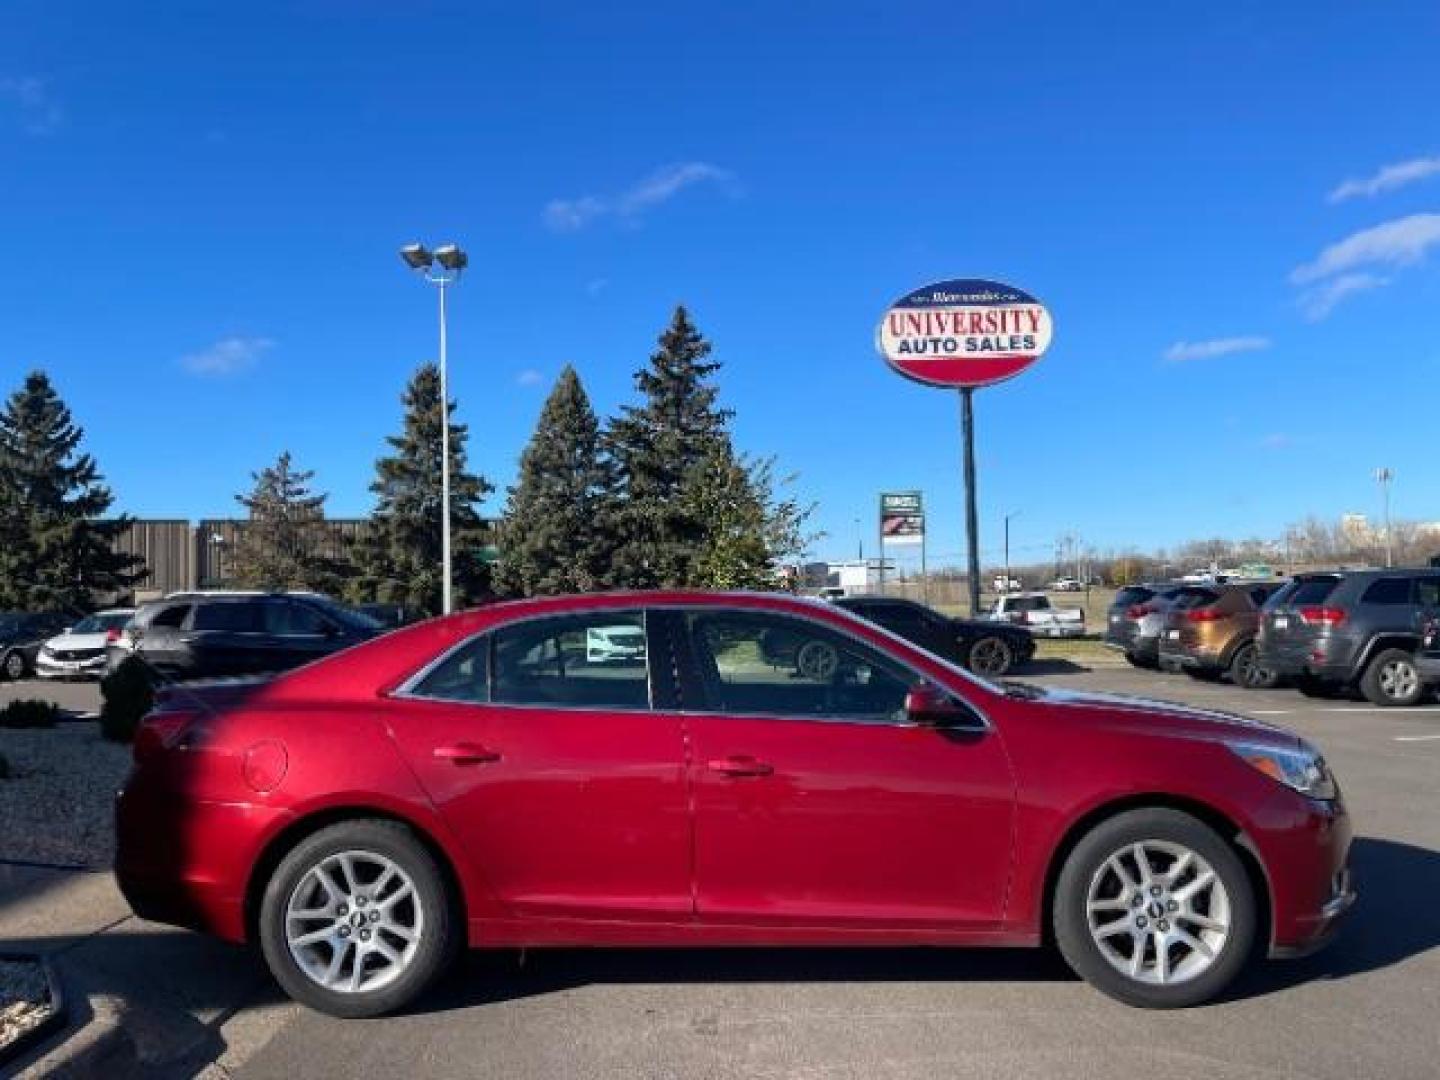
column 1154, row 908
column 991, row 656
column 1391, row 678
column 1248, row 673
column 13, row 666
column 356, row 920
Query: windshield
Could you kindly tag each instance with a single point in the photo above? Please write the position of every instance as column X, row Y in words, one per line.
column 99, row 624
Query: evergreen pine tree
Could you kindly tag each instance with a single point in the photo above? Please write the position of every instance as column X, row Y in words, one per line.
column 552, row 538
column 281, row 546
column 657, row 449
column 399, row 559
column 749, row 528
column 55, row 552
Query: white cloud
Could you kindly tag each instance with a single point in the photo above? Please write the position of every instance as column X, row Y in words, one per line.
column 570, row 215
column 228, row 356
column 1387, row 179
column 529, row 377
column 1401, row 242
column 1208, row 350
column 37, row 109
column 1321, row 300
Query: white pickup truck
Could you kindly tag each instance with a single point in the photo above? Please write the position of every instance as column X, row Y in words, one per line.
column 1034, row 612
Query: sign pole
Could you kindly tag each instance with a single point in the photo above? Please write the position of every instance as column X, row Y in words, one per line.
column 972, row 523
column 924, row 572
column 880, row 547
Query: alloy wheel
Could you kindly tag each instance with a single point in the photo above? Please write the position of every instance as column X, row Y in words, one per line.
column 14, row 667
column 1158, row 912
column 990, row 656
column 817, row 660
column 1398, row 679
column 354, row 923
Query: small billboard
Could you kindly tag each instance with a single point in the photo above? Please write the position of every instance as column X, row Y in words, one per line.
column 902, row 517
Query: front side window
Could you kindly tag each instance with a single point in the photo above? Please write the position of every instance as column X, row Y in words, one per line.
column 1427, row 592
column 287, row 617
column 775, row 665
column 171, row 616
column 597, row 660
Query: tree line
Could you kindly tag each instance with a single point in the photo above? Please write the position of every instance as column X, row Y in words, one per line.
column 657, row 496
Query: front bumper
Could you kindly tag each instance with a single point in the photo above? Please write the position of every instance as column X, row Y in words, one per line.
column 49, row 668
column 1306, row 856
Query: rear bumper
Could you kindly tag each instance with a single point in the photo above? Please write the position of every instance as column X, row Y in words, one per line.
column 1428, row 665
column 187, row 863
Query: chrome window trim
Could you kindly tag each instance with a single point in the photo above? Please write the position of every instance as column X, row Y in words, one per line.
column 406, row 689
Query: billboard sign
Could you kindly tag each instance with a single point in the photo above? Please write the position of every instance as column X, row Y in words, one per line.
column 902, row 517
column 964, row 333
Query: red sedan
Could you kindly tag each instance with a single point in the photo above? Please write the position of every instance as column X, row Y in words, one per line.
column 678, row 768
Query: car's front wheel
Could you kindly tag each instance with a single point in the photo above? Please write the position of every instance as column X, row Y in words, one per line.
column 13, row 667
column 1155, row 909
column 991, row 657
column 356, row 920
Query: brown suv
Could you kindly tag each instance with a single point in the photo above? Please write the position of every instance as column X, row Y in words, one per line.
column 1211, row 637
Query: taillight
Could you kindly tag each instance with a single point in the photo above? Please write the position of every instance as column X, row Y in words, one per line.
column 112, row 635
column 161, row 730
column 1204, row 614
column 1316, row 615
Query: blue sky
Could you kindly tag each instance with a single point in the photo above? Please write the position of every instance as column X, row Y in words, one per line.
column 1233, row 214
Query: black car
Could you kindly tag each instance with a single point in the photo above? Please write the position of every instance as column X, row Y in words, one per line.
column 216, row 635
column 987, row 648
column 1353, row 628
column 21, row 635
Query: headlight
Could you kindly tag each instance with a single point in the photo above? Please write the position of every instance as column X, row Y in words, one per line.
column 1301, row 768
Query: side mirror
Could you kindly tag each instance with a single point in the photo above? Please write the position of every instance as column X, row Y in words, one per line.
column 930, row 706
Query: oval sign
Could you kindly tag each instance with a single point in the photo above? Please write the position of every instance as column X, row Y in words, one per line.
column 968, row 332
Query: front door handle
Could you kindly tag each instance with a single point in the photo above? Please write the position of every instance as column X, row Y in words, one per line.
column 466, row 753
column 741, row 765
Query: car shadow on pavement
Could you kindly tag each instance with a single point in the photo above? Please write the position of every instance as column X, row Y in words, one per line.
column 1388, row 924
column 1050, row 665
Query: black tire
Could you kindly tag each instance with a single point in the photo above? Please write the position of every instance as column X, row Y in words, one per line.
column 990, row 656
column 1312, row 687
column 1090, row 856
column 1143, row 662
column 1246, row 672
column 438, row 943
column 12, row 667
column 1391, row 678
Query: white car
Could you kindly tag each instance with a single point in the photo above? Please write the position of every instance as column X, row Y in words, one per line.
column 79, row 651
column 614, row 644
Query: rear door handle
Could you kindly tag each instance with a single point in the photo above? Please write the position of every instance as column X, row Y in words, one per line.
column 741, row 765
column 466, row 753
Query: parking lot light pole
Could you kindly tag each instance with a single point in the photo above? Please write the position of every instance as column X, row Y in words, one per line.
column 1384, row 477
column 1012, row 514
column 441, row 268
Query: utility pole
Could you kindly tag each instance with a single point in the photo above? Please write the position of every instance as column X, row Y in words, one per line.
column 1385, row 476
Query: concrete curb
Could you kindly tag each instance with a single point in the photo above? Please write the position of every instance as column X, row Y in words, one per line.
column 59, row 1013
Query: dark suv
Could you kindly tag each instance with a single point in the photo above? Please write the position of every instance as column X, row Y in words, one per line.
column 214, row 635
column 21, row 635
column 987, row 648
column 1349, row 628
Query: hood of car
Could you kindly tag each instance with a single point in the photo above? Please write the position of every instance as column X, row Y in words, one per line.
column 77, row 641
column 1163, row 716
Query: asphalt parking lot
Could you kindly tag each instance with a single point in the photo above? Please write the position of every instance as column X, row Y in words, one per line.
column 1368, row 1006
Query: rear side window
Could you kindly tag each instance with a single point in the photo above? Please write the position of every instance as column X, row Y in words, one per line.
column 173, row 616
column 1388, row 591
column 233, row 618
column 1188, row 598
column 594, row 661
column 1261, row 593
column 1312, row 590
column 287, row 617
column 464, row 675
column 1427, row 592
column 1133, row 594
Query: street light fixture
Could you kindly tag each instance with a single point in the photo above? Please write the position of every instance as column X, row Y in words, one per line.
column 452, row 262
